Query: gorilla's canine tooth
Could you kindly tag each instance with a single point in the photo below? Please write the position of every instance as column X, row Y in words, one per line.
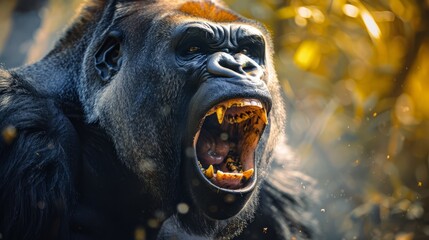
column 248, row 173
column 263, row 116
column 209, row 172
column 220, row 112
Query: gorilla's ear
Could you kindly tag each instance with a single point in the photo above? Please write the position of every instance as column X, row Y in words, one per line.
column 108, row 57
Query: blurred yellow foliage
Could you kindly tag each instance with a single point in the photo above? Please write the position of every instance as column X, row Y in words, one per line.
column 307, row 56
column 418, row 82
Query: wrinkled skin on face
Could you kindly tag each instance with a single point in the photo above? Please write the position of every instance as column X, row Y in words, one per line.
column 170, row 112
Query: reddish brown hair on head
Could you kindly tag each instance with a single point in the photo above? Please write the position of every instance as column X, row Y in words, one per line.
column 209, row 11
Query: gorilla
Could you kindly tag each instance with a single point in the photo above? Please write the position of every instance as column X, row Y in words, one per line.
column 149, row 120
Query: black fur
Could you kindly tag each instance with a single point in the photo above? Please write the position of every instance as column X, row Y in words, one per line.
column 35, row 176
column 91, row 146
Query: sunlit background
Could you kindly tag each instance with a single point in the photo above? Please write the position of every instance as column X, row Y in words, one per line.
column 355, row 76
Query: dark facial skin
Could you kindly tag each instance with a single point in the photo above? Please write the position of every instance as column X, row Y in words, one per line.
column 221, row 61
column 226, row 48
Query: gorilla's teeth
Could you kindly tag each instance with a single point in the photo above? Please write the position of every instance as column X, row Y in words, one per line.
column 243, row 103
column 242, row 117
column 209, row 172
column 238, row 118
column 222, row 176
column 248, row 173
column 263, row 116
column 249, row 108
column 220, row 112
column 225, row 176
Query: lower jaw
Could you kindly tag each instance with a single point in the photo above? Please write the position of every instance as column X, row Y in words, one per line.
column 215, row 202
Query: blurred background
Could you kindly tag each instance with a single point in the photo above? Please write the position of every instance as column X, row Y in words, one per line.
column 355, row 76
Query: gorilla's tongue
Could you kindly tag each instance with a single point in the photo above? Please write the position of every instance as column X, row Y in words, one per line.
column 211, row 149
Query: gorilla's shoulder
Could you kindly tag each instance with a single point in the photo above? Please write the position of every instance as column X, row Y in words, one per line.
column 36, row 146
column 25, row 109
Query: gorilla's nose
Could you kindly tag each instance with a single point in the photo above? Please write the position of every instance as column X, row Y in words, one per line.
column 225, row 65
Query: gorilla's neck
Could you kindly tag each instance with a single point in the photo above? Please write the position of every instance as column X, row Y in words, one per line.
column 56, row 75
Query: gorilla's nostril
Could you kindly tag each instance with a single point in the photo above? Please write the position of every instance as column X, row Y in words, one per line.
column 231, row 64
column 248, row 67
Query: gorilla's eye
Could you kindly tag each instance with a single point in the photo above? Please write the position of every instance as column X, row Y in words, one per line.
column 245, row 51
column 193, row 49
column 254, row 51
column 190, row 50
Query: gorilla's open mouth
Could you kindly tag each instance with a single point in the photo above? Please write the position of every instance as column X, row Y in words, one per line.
column 227, row 139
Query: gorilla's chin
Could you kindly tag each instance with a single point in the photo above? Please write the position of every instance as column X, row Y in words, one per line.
column 220, row 169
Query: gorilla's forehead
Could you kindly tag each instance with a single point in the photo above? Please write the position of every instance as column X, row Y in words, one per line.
column 209, row 11
column 163, row 14
column 214, row 27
